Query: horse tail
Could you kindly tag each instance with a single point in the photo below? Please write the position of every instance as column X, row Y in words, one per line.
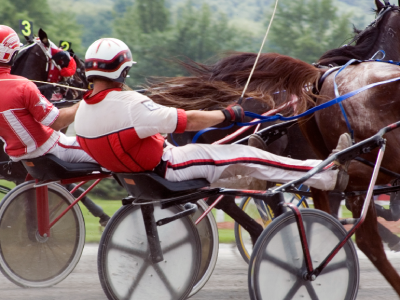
column 276, row 80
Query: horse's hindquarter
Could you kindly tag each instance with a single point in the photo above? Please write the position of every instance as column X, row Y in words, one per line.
column 367, row 111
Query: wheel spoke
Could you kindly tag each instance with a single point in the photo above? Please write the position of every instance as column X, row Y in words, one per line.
column 311, row 291
column 138, row 278
column 280, row 263
column 332, row 267
column 127, row 250
column 176, row 244
column 298, row 284
column 165, row 280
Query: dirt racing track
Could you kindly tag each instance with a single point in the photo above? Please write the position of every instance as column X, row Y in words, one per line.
column 229, row 280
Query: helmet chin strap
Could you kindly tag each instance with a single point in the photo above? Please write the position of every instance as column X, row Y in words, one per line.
column 13, row 58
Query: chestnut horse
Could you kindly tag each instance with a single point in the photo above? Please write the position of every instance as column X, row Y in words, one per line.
column 368, row 111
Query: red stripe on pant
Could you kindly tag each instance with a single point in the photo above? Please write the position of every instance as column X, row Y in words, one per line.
column 238, row 160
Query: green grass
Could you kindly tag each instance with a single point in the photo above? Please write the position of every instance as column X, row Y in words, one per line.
column 226, row 236
column 93, row 228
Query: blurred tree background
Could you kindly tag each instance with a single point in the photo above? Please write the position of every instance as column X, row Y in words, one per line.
column 160, row 31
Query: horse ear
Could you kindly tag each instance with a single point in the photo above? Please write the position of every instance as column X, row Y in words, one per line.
column 43, row 37
column 379, row 5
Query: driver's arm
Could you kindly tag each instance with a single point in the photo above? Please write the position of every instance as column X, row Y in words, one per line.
column 198, row 120
column 66, row 117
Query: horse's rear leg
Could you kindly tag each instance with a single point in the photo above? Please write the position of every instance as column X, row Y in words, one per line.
column 369, row 242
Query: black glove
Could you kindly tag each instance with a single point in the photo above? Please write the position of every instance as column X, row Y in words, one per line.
column 234, row 113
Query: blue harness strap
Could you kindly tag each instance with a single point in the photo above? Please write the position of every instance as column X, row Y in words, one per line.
column 198, row 134
column 314, row 109
column 338, row 95
column 337, row 100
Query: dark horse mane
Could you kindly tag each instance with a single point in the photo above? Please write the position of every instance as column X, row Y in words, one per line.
column 226, row 79
column 24, row 62
column 360, row 50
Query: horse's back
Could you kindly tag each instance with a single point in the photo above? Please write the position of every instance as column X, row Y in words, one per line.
column 368, row 111
column 357, row 76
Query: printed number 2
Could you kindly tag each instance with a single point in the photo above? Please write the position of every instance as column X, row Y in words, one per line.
column 27, row 30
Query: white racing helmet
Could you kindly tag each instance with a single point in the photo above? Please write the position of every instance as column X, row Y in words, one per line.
column 110, row 58
column 9, row 44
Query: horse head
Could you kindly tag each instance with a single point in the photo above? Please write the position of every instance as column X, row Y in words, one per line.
column 78, row 80
column 380, row 34
column 33, row 63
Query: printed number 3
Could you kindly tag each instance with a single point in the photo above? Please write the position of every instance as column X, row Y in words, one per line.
column 27, row 31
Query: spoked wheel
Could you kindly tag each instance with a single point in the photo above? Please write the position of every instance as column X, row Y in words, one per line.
column 124, row 264
column 277, row 264
column 263, row 214
column 208, row 232
column 28, row 259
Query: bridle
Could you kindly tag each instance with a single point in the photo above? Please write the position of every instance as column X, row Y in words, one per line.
column 49, row 60
column 46, row 52
column 388, row 7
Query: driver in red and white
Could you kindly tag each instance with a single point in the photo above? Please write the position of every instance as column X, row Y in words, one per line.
column 121, row 131
column 29, row 123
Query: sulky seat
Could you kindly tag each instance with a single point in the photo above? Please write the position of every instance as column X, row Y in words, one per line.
column 151, row 186
column 50, row 168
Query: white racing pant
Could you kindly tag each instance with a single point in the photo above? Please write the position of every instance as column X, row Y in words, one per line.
column 214, row 162
column 68, row 149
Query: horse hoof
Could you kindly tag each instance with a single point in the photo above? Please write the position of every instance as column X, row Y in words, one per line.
column 104, row 218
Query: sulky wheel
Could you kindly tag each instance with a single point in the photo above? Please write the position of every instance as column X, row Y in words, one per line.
column 124, row 264
column 263, row 214
column 277, row 264
column 28, row 259
column 208, row 232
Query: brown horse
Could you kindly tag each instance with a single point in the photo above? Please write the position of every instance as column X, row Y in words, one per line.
column 367, row 112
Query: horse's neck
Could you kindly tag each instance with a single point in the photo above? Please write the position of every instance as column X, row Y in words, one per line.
column 383, row 37
column 32, row 65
